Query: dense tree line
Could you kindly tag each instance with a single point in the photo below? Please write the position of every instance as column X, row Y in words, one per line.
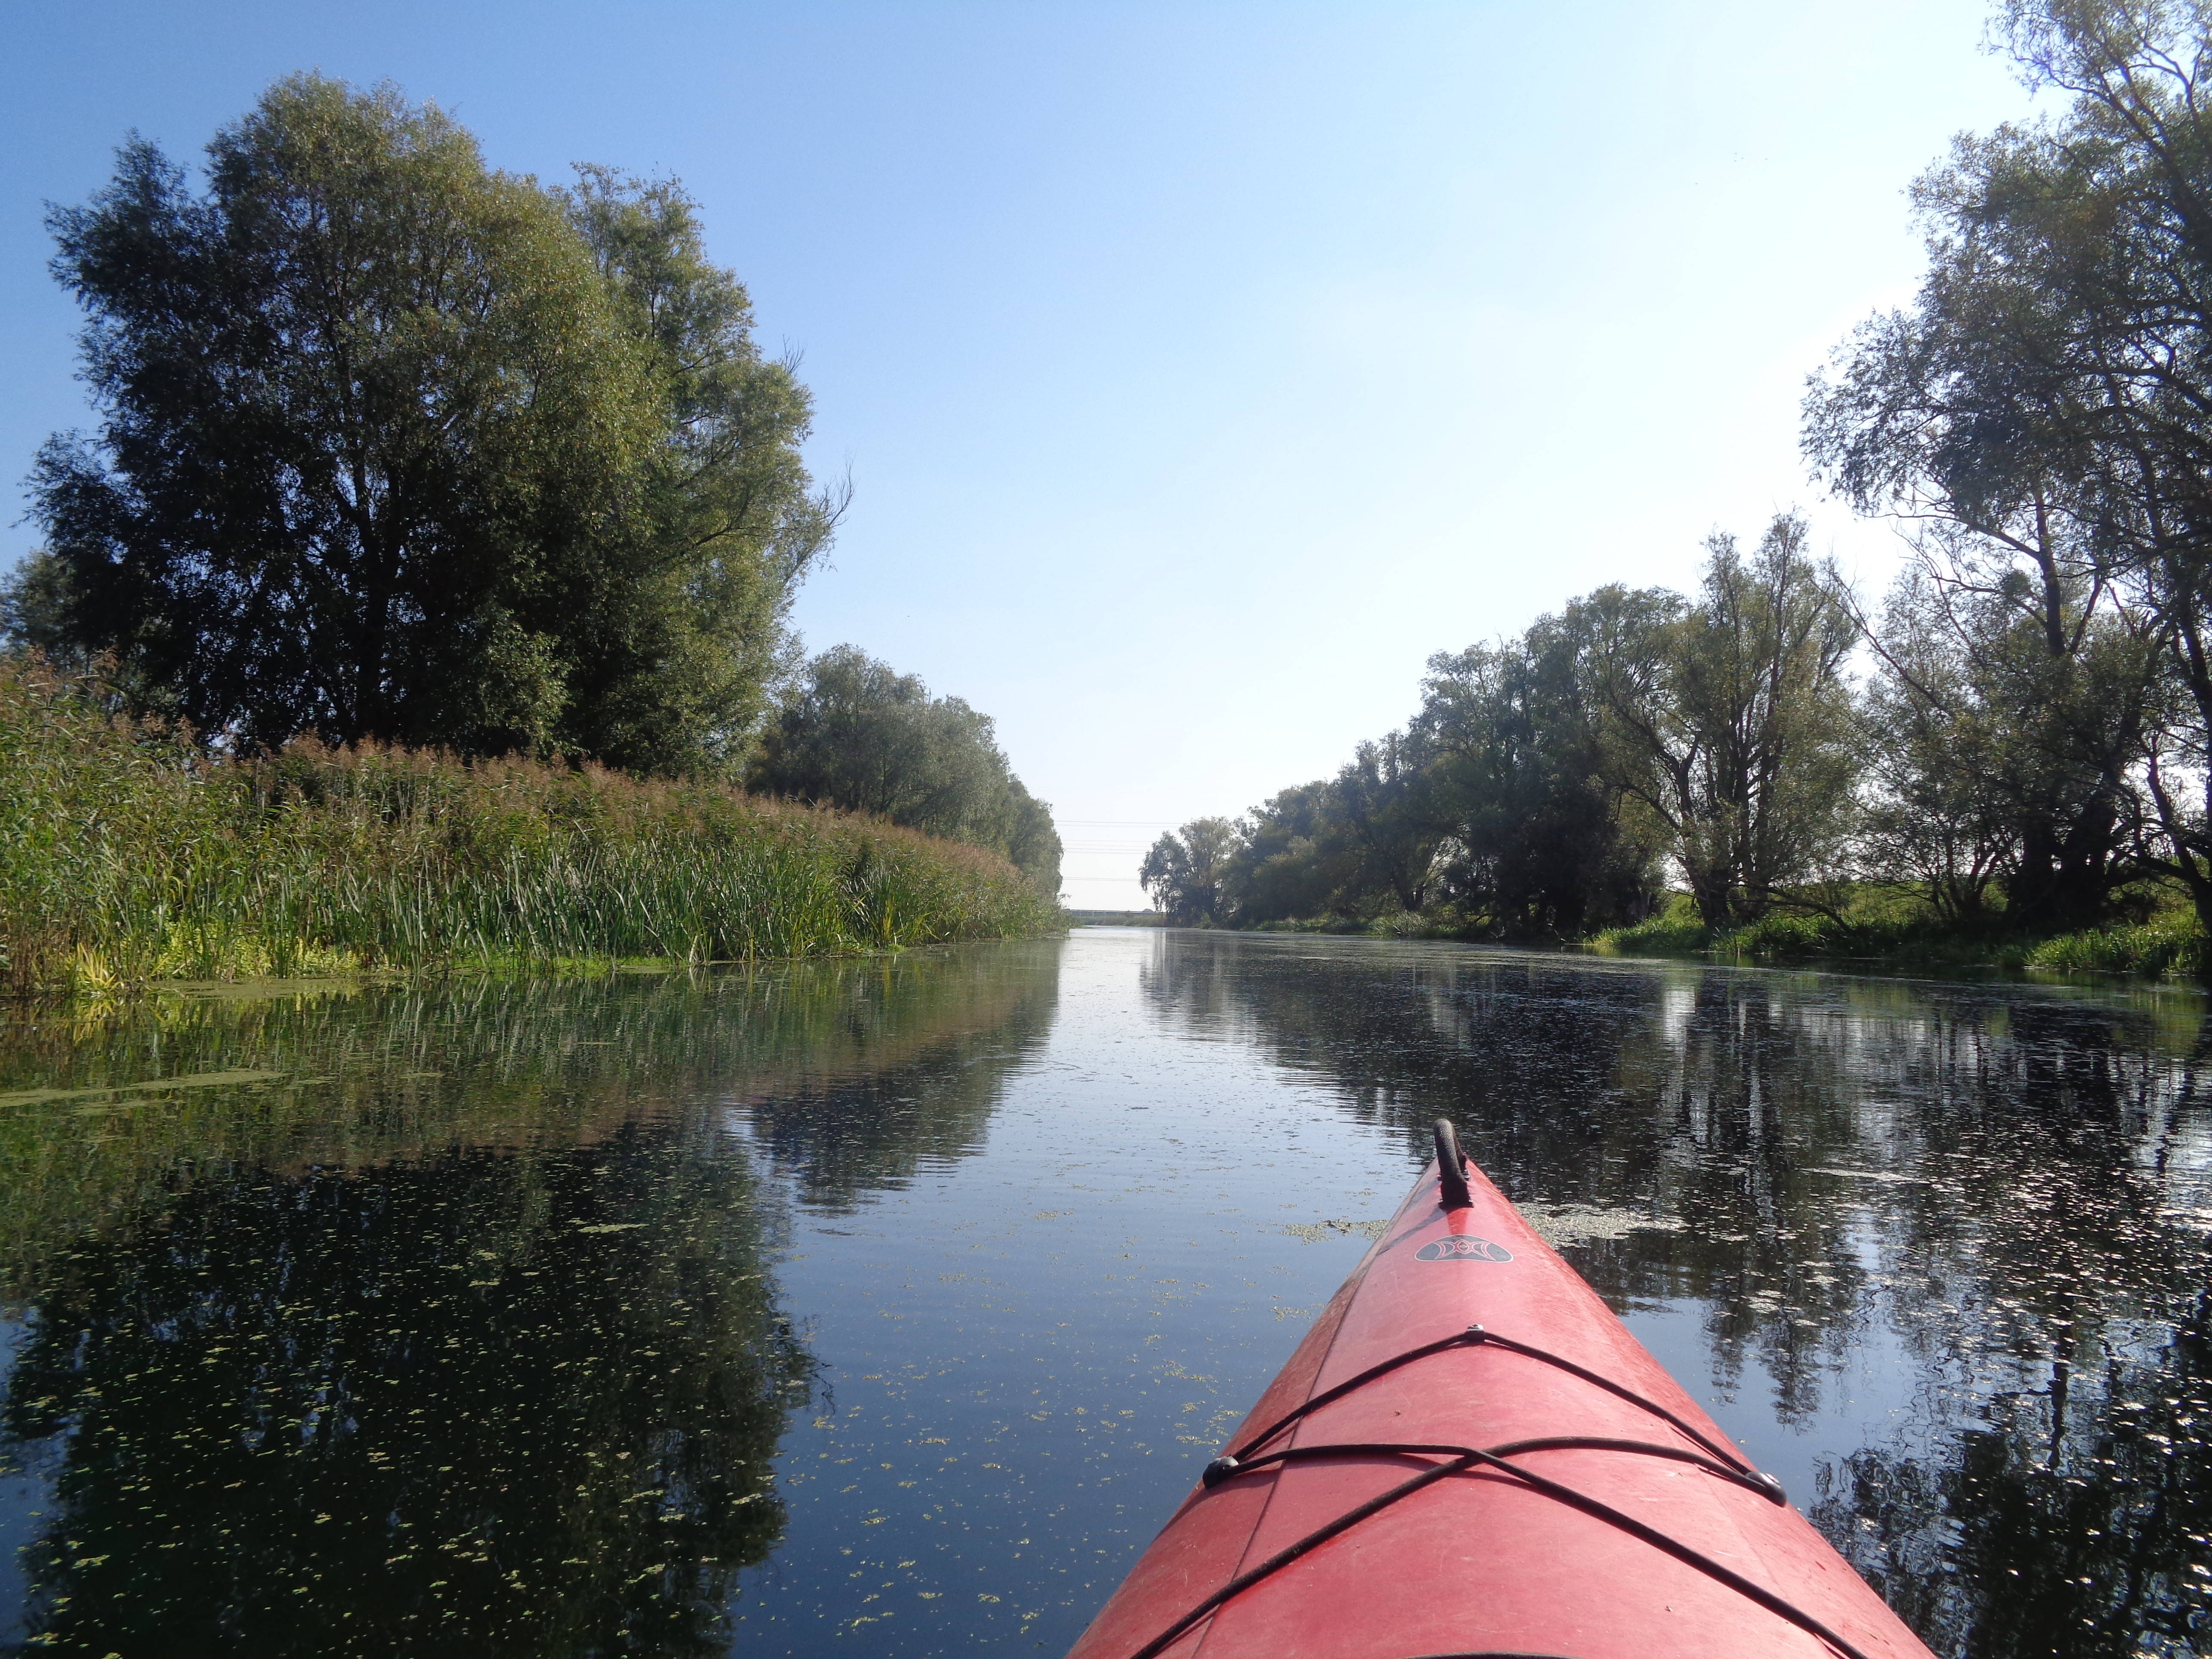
column 852, row 731
column 395, row 447
column 1547, row 782
column 2025, row 736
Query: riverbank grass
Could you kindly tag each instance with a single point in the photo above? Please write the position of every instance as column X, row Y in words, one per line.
column 1893, row 925
column 128, row 856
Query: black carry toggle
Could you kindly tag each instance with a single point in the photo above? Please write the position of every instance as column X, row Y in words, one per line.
column 1451, row 1172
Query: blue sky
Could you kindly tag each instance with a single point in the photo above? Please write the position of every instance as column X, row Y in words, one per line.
column 1202, row 367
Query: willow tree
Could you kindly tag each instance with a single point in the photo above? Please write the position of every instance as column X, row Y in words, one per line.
column 1186, row 871
column 394, row 445
column 852, row 732
column 675, row 669
column 1731, row 720
column 2043, row 409
column 1289, row 857
column 1543, row 838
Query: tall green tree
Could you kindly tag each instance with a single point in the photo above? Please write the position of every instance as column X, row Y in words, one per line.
column 1543, row 841
column 2047, row 397
column 1292, row 858
column 34, row 612
column 1186, row 871
column 2006, row 716
column 1355, row 846
column 672, row 673
column 1731, row 719
column 1384, row 801
column 853, row 732
column 1547, row 781
column 396, row 446
column 1933, row 818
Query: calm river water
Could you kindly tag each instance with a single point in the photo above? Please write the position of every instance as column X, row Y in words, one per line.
column 888, row 1306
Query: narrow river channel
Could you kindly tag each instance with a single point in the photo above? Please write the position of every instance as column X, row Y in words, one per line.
column 888, row 1306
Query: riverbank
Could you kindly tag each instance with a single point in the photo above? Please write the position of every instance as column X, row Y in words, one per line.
column 1882, row 927
column 128, row 856
column 2167, row 943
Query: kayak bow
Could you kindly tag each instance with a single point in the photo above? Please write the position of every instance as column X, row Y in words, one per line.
column 1469, row 1457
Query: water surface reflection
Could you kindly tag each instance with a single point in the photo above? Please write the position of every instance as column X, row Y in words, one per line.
column 493, row 1402
column 889, row 1306
column 404, row 1322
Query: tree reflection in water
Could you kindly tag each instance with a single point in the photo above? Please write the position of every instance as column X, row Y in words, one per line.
column 2010, row 1186
column 444, row 1320
column 494, row 1403
column 428, row 1263
column 2065, row 1520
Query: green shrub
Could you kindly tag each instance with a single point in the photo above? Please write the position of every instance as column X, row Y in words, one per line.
column 1893, row 924
column 1675, row 928
column 2168, row 943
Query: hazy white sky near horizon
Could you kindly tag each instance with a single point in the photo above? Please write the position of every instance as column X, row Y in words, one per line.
column 1202, row 367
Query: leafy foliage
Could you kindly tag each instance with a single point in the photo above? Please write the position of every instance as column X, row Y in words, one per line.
column 854, row 733
column 675, row 676
column 396, row 446
column 1543, row 842
column 1731, row 720
column 2040, row 413
column 1186, row 870
column 1547, row 779
column 2004, row 735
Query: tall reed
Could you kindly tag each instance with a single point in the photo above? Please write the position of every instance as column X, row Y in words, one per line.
column 128, row 855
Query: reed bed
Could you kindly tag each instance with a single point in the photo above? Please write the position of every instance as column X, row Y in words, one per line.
column 129, row 854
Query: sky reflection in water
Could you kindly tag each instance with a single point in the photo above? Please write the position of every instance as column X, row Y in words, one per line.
column 888, row 1306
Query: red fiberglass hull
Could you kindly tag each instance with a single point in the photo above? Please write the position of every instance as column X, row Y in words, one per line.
column 1672, row 1551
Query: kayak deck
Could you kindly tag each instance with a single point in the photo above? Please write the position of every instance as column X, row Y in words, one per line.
column 1469, row 1454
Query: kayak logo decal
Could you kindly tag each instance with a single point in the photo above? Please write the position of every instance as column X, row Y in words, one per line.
column 1462, row 1247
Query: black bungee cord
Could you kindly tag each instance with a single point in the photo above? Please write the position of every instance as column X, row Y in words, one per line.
column 1493, row 1461
column 1461, row 1459
column 1475, row 1335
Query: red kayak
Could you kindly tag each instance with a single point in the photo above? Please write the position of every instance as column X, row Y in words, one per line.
column 1468, row 1456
